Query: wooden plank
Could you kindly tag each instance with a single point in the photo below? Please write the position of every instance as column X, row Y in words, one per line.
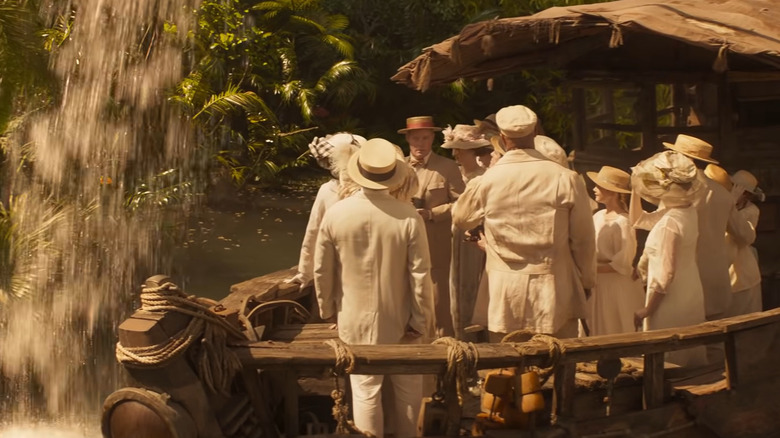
column 751, row 76
column 564, row 386
column 303, row 333
column 653, row 380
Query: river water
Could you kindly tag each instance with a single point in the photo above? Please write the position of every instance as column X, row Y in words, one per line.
column 225, row 247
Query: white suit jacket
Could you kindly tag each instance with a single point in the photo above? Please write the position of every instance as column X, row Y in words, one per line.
column 538, row 225
column 372, row 269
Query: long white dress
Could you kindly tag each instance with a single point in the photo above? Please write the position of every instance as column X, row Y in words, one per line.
column 616, row 296
column 670, row 257
column 744, row 271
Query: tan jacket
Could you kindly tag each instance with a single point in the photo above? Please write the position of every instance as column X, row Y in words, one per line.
column 440, row 185
column 372, row 269
column 538, row 225
column 718, row 214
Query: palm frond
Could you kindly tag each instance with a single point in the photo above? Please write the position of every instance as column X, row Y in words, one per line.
column 289, row 90
column 337, row 72
column 231, row 100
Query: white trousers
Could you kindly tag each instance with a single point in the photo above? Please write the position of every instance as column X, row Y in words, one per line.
column 367, row 409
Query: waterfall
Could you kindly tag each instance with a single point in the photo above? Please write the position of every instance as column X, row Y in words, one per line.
column 70, row 171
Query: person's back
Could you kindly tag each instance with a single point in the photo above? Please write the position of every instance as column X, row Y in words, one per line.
column 370, row 232
column 372, row 271
column 715, row 208
column 528, row 199
column 538, row 226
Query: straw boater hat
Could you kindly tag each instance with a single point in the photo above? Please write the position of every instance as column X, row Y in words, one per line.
column 692, row 147
column 748, row 181
column 376, row 165
column 719, row 175
column 463, row 137
column 612, row 179
column 419, row 122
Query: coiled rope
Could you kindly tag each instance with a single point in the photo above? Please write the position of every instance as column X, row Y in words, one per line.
column 216, row 363
column 462, row 359
column 345, row 364
column 555, row 347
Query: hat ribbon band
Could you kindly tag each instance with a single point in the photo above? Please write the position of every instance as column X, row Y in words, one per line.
column 376, row 177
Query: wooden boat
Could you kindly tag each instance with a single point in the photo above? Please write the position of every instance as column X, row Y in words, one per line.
column 286, row 366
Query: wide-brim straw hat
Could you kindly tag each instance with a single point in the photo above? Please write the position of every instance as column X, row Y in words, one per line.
column 464, row 137
column 749, row 183
column 667, row 176
column 612, row 179
column 719, row 175
column 377, row 165
column 747, row 180
column 419, row 122
column 692, row 147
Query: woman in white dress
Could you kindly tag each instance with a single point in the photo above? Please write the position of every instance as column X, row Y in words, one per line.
column 744, row 270
column 674, row 294
column 617, row 294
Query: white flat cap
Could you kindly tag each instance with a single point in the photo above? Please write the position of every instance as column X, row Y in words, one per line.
column 516, row 121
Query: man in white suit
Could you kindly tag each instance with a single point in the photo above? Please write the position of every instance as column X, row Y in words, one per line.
column 540, row 241
column 372, row 270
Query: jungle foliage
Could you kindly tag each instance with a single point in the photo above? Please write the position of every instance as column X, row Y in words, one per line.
column 270, row 75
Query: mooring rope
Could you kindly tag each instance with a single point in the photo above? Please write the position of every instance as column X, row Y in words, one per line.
column 216, row 363
column 345, row 364
column 462, row 359
column 555, row 347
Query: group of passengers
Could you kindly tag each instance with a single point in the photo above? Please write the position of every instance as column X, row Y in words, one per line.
column 406, row 249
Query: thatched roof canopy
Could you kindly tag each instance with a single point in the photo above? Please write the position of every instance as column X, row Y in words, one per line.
column 627, row 35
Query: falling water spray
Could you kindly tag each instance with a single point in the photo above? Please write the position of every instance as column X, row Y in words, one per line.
column 75, row 171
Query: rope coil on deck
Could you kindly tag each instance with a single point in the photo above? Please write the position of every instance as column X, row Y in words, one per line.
column 462, row 358
column 345, row 364
column 556, row 349
column 216, row 363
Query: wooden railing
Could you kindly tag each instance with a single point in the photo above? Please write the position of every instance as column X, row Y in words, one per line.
column 300, row 350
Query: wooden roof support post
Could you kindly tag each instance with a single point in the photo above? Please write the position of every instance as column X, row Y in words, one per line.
column 727, row 146
column 648, row 116
column 578, row 124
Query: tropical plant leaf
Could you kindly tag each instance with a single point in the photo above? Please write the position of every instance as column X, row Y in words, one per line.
column 231, row 100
